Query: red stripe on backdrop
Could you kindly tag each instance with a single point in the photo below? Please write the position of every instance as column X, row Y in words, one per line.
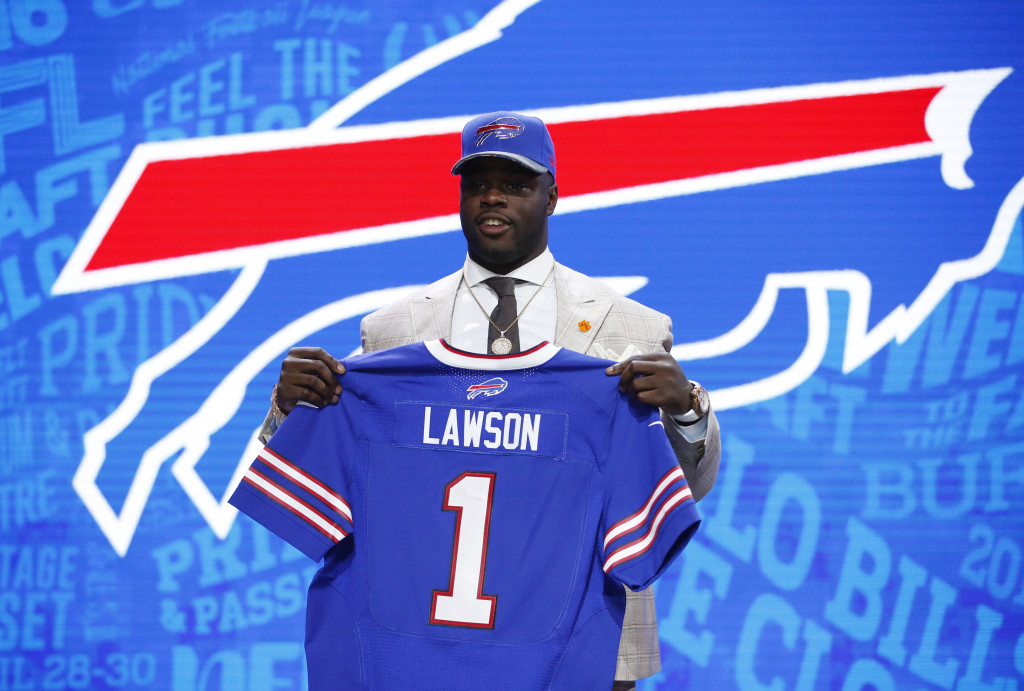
column 618, row 153
column 186, row 207
column 191, row 206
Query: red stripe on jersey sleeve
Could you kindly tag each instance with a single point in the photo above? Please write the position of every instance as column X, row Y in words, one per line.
column 308, row 482
column 631, row 522
column 294, row 505
column 641, row 545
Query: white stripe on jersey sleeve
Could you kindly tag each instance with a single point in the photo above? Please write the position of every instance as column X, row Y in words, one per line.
column 628, row 524
column 295, row 505
column 638, row 547
column 307, row 482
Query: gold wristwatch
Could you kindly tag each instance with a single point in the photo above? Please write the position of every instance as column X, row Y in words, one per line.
column 699, row 400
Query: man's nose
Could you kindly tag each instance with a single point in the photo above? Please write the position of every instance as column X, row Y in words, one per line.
column 493, row 196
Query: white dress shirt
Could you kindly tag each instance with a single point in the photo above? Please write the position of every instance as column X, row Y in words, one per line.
column 536, row 309
column 535, row 299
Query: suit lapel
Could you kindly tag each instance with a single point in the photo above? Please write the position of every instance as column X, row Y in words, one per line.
column 579, row 315
column 431, row 315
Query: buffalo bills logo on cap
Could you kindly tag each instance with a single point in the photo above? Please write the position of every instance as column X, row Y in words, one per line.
column 502, row 128
column 491, row 387
column 523, row 139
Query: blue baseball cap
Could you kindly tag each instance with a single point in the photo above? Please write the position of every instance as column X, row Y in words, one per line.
column 519, row 138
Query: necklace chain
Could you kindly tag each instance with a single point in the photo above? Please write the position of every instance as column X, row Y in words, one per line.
column 498, row 328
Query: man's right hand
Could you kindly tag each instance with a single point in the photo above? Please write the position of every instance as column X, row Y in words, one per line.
column 310, row 375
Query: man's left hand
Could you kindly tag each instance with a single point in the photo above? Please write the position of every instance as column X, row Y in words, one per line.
column 655, row 379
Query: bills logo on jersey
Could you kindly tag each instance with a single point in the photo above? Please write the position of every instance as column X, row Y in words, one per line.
column 491, row 387
column 502, row 128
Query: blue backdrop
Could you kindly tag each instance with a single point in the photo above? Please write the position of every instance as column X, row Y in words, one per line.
column 829, row 209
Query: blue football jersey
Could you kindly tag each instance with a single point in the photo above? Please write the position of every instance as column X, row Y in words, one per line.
column 477, row 516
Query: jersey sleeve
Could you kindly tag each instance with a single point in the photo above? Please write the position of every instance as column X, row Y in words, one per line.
column 649, row 511
column 297, row 485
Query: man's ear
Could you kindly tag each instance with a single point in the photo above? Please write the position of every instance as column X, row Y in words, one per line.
column 552, row 198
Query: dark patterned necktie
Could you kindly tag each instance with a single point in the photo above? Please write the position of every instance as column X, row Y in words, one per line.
column 505, row 312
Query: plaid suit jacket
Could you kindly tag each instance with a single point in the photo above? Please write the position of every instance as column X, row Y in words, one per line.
column 616, row 323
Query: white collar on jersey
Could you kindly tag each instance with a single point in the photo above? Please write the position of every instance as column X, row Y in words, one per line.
column 534, row 357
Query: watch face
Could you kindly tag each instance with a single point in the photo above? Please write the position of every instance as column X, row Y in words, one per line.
column 700, row 400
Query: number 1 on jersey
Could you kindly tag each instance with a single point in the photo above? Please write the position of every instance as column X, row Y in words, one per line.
column 464, row 603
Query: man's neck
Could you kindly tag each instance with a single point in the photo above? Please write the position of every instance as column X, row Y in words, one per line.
column 532, row 271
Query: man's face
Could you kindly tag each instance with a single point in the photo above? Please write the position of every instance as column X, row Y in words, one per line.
column 504, row 210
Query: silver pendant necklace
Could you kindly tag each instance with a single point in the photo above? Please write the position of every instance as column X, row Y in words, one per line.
column 502, row 345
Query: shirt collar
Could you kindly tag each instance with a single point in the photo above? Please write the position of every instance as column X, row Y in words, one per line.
column 533, row 271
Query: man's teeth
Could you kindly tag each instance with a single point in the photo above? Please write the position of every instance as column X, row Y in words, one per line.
column 493, row 222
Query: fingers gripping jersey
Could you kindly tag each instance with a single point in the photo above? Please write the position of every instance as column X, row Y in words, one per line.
column 476, row 515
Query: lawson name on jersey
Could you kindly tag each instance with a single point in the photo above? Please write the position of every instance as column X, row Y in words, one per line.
column 432, row 425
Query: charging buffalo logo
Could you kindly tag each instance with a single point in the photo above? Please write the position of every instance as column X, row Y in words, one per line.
column 502, row 128
column 317, row 194
column 491, row 387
